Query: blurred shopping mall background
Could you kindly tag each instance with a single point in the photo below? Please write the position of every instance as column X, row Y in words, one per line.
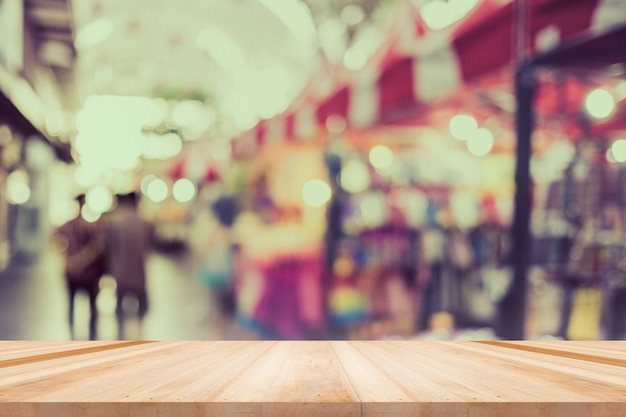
column 313, row 169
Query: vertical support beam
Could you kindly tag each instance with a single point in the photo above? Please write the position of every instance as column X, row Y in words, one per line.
column 511, row 320
column 333, row 232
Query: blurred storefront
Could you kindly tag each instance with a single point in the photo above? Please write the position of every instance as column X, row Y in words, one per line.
column 279, row 280
column 390, row 181
column 26, row 160
column 410, row 107
column 29, row 146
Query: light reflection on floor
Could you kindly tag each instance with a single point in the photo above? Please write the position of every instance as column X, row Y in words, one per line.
column 33, row 305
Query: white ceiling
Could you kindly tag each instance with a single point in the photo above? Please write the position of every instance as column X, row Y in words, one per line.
column 153, row 48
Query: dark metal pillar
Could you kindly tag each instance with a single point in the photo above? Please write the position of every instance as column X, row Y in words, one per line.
column 510, row 323
column 334, row 232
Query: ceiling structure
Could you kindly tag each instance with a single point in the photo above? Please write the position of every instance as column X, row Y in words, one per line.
column 240, row 55
column 49, row 51
column 51, row 25
column 93, row 65
column 254, row 63
column 36, row 64
column 248, row 60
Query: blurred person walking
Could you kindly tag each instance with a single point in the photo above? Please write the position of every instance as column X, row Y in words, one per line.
column 82, row 244
column 128, row 237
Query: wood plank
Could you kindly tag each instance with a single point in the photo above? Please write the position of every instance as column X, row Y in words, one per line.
column 554, row 369
column 388, row 387
column 551, row 379
column 173, row 378
column 47, row 351
column 609, row 352
column 39, row 375
column 237, row 388
column 18, row 349
column 310, row 382
column 441, row 379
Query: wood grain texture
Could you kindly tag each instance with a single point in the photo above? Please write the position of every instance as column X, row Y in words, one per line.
column 312, row 378
column 310, row 382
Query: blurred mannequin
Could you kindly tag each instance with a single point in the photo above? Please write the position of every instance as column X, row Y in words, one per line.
column 82, row 245
column 128, row 237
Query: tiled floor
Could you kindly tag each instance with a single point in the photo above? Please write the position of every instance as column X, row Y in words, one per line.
column 33, row 305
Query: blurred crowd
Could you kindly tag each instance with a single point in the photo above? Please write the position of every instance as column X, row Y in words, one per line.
column 116, row 244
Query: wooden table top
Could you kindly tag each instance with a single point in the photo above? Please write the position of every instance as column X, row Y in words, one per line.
column 312, row 378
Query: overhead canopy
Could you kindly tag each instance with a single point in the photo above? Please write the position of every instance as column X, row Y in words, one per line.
column 36, row 51
column 433, row 64
column 9, row 113
column 12, row 116
column 604, row 51
column 50, row 23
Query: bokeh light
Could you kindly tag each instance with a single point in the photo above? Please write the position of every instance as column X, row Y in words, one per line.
column 187, row 113
column 145, row 182
column 618, row 150
column 463, row 126
column 355, row 58
column 17, row 187
column 183, row 190
column 99, row 199
column 355, row 176
column 599, row 103
column 163, row 146
column 464, row 209
column 352, row 14
column 153, row 112
column 381, row 157
column 89, row 215
column 336, row 124
column 316, row 192
column 157, row 190
column 373, row 210
column 481, row 142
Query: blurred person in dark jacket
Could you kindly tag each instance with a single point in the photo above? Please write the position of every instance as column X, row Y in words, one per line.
column 128, row 237
column 82, row 244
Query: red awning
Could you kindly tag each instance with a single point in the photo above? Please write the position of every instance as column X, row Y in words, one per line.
column 431, row 65
column 591, row 52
